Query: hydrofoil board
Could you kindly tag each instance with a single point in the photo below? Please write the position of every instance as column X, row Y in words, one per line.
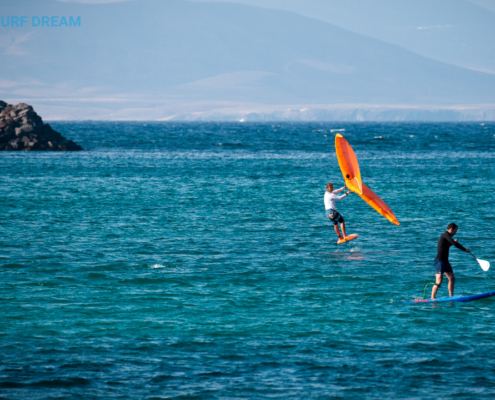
column 348, row 238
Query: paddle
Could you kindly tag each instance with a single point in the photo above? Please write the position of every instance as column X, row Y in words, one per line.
column 485, row 265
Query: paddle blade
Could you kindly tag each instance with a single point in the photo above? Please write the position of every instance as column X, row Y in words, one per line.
column 485, row 265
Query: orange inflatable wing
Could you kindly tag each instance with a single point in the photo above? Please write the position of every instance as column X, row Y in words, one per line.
column 378, row 204
column 348, row 164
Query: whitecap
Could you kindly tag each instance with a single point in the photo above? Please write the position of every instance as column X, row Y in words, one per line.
column 155, row 266
column 337, row 130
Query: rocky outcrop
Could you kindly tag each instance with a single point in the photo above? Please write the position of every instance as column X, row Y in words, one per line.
column 22, row 129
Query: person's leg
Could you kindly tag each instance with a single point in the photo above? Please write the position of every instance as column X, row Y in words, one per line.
column 332, row 217
column 437, row 285
column 451, row 278
column 342, row 226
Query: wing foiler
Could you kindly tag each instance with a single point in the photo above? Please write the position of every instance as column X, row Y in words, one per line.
column 350, row 169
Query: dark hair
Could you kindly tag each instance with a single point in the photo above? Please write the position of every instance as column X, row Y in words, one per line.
column 329, row 187
column 452, row 226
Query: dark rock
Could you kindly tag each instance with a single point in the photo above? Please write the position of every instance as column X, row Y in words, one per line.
column 6, row 110
column 22, row 106
column 22, row 129
column 9, row 129
column 14, row 144
column 5, row 137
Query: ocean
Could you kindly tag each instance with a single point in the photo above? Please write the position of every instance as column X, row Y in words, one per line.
column 195, row 261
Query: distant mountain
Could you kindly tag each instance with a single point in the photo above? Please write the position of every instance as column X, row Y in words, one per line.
column 143, row 54
column 459, row 32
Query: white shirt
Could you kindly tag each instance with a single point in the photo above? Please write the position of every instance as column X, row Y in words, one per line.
column 330, row 198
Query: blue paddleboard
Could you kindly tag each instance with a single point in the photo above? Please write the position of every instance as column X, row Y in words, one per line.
column 455, row 298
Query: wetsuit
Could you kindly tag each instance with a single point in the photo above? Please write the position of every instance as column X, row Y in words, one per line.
column 442, row 259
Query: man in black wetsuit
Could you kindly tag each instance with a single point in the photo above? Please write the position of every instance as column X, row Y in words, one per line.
column 442, row 265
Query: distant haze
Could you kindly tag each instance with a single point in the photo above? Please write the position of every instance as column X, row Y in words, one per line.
column 318, row 59
column 458, row 32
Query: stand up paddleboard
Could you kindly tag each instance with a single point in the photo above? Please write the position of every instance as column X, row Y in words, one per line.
column 455, row 298
column 348, row 238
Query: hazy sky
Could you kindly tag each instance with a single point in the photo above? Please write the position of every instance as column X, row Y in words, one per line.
column 164, row 58
column 488, row 4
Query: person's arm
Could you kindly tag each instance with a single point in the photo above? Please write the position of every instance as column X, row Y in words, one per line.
column 342, row 197
column 456, row 243
column 338, row 190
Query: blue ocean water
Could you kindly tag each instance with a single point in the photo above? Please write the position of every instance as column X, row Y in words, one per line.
column 195, row 261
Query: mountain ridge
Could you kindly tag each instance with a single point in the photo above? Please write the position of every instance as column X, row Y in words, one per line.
column 187, row 53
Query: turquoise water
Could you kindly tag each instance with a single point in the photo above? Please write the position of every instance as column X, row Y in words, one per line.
column 193, row 261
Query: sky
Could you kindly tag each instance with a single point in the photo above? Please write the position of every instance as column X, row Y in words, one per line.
column 251, row 59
